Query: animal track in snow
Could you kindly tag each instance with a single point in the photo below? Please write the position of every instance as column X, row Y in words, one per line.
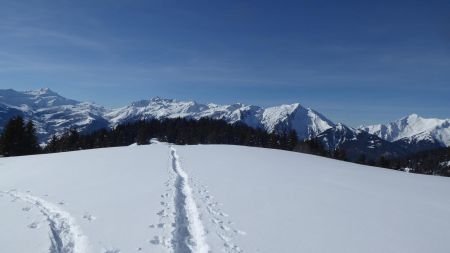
column 89, row 217
column 156, row 240
column 33, row 225
column 111, row 251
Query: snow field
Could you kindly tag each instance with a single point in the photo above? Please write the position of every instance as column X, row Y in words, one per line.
column 215, row 198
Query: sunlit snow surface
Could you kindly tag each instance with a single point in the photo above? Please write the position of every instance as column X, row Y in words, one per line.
column 218, row 198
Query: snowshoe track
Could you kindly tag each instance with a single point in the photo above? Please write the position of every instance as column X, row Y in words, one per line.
column 188, row 233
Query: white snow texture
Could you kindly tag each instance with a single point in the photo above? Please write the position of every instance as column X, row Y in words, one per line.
column 215, row 198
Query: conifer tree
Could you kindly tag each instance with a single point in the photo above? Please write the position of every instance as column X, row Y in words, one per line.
column 19, row 138
column 361, row 159
column 292, row 140
column 13, row 137
column 383, row 162
column 143, row 135
column 31, row 145
column 52, row 146
column 340, row 154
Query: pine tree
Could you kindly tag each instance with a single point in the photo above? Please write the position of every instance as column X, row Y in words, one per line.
column 361, row 159
column 74, row 139
column 52, row 146
column 292, row 140
column 383, row 162
column 18, row 138
column 143, row 135
column 31, row 145
column 273, row 141
column 340, row 154
column 12, row 137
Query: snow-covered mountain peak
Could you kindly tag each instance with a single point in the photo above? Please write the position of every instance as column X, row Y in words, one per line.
column 287, row 109
column 412, row 117
column 307, row 122
column 33, row 99
column 141, row 103
column 41, row 92
column 413, row 128
column 414, row 121
column 158, row 99
column 51, row 112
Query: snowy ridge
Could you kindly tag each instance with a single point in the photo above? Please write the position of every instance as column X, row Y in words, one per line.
column 33, row 99
column 333, row 138
column 66, row 236
column 356, row 142
column 54, row 114
column 189, row 234
column 413, row 129
column 51, row 113
column 305, row 121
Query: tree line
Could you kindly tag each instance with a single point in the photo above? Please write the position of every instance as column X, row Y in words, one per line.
column 178, row 131
column 429, row 162
column 19, row 137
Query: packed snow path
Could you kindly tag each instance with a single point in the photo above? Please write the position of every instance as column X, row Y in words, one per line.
column 189, row 234
column 65, row 236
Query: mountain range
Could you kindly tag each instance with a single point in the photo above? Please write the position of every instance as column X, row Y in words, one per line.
column 55, row 114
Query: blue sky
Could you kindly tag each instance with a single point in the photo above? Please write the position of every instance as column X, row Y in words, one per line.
column 357, row 62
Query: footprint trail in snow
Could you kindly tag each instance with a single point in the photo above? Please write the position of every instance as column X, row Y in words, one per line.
column 184, row 222
column 188, row 234
column 219, row 222
column 65, row 235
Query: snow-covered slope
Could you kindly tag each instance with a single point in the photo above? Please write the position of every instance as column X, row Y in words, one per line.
column 216, row 198
column 414, row 129
column 52, row 113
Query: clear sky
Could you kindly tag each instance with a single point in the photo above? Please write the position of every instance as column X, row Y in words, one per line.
column 355, row 61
